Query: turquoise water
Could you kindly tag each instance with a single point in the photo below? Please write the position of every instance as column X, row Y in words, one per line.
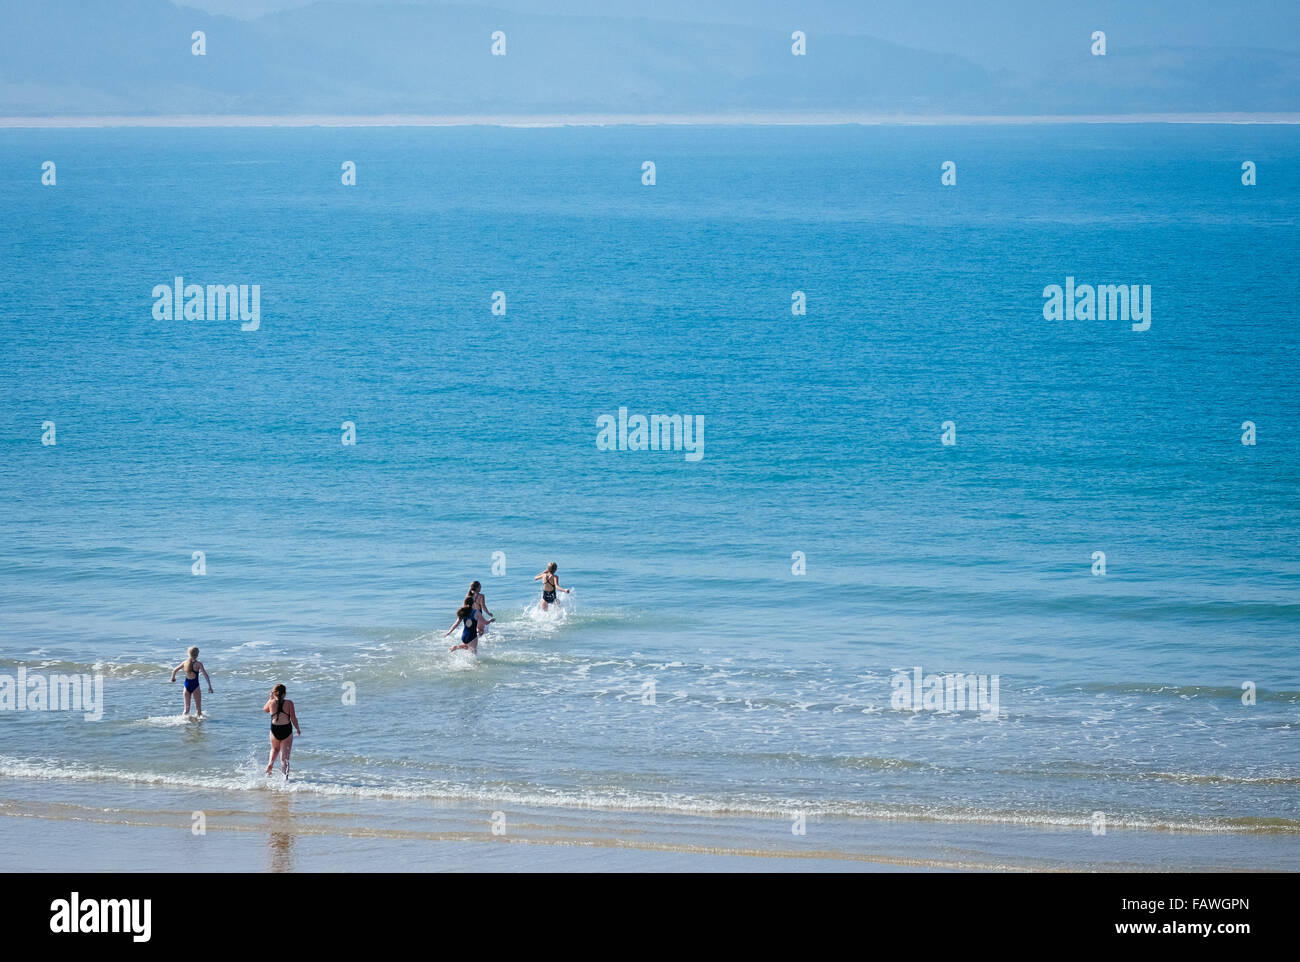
column 330, row 565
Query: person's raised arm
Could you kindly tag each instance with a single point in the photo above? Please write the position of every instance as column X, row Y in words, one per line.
column 176, row 669
column 452, row 628
column 267, row 706
column 540, row 576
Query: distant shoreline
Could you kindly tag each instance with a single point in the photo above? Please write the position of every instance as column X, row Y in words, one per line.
column 642, row 120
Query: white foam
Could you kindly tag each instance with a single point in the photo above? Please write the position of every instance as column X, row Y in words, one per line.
column 462, row 660
column 171, row 721
column 556, row 613
column 250, row 776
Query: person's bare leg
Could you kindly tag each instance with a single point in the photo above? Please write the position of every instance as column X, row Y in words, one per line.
column 285, row 747
column 198, row 701
column 187, row 701
column 275, row 750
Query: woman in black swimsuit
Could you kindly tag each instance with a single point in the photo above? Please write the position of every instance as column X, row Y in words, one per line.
column 550, row 585
column 283, row 721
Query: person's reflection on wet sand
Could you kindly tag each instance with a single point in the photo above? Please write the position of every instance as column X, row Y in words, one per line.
column 280, row 839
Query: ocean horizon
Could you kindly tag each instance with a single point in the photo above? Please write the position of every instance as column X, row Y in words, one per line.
column 579, row 119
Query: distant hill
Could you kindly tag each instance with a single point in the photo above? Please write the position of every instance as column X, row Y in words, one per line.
column 64, row 57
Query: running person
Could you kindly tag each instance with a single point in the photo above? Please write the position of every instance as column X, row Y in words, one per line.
column 283, row 721
column 193, row 667
column 482, row 617
column 550, row 585
column 469, row 634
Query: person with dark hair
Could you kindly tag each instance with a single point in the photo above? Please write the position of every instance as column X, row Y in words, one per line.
column 469, row 634
column 283, row 721
column 482, row 617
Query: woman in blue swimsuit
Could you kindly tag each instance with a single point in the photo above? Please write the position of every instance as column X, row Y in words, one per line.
column 193, row 667
column 467, row 616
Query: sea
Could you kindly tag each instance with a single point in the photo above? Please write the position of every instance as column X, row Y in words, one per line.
column 904, row 469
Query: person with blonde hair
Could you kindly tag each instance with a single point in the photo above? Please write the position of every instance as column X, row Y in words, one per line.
column 193, row 667
column 550, row 585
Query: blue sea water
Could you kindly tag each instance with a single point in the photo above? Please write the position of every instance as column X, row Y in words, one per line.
column 332, row 567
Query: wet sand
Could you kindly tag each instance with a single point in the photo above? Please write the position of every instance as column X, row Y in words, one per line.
column 55, row 826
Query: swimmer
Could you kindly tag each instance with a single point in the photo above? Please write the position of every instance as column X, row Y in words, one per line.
column 469, row 635
column 282, row 732
column 193, row 667
column 550, row 585
column 482, row 617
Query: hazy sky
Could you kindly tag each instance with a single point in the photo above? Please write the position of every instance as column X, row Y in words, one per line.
column 886, row 57
column 993, row 33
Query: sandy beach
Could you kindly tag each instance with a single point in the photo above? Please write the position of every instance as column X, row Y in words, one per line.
column 49, row 825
